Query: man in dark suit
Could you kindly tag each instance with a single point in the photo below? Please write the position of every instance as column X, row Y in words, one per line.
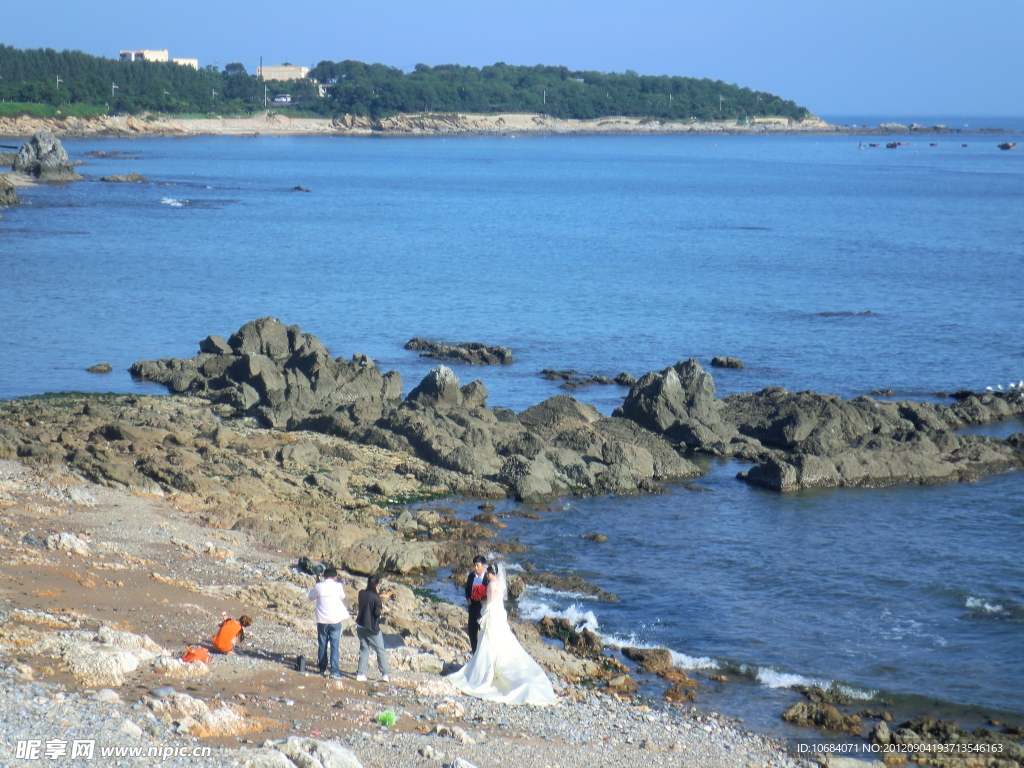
column 476, row 591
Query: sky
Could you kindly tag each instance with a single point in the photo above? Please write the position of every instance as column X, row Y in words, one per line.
column 874, row 57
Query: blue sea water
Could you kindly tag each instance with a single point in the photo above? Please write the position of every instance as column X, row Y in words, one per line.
column 820, row 264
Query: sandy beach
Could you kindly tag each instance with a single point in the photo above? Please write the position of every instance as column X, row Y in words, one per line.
column 272, row 123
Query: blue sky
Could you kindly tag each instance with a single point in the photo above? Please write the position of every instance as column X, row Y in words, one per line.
column 898, row 57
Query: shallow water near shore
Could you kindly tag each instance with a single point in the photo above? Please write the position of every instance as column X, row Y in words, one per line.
column 821, row 266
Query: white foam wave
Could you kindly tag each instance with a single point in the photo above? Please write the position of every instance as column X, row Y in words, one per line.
column 535, row 610
column 979, row 604
column 174, row 202
column 693, row 662
column 557, row 593
column 773, row 678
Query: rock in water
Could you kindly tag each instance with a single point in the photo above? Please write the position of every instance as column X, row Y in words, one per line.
column 470, row 352
column 8, row 193
column 726, row 362
column 125, row 177
column 43, row 158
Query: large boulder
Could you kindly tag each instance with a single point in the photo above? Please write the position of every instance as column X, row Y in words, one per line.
column 439, row 389
column 679, row 403
column 43, row 158
column 282, row 376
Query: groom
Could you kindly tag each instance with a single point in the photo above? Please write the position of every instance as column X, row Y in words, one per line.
column 476, row 591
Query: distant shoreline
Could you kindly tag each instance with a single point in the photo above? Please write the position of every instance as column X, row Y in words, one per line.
column 454, row 124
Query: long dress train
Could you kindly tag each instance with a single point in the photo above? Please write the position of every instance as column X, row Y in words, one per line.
column 501, row 669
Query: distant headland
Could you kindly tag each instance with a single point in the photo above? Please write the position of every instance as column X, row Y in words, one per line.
column 71, row 93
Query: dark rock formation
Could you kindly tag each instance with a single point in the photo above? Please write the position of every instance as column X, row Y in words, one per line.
column 679, row 403
column 625, row 379
column 8, row 193
column 576, row 639
column 282, row 376
column 822, row 441
column 43, row 158
column 125, row 177
column 726, row 362
column 572, row 379
column 806, row 440
column 286, row 379
column 558, row 447
column 473, row 353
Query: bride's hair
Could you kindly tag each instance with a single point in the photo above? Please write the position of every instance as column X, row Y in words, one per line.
column 497, row 570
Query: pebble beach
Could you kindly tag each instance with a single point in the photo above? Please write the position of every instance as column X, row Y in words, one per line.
column 150, row 588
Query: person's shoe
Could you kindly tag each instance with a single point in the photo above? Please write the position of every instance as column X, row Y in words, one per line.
column 360, row 678
column 336, row 677
column 386, row 678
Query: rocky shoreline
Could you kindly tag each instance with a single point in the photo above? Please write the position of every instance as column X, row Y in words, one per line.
column 270, row 450
column 105, row 585
column 276, row 123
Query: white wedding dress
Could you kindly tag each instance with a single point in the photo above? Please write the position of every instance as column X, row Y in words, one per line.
column 501, row 669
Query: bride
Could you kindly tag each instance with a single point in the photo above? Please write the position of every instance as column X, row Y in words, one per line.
column 501, row 669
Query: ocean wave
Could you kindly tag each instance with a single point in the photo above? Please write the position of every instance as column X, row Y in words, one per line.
column 535, row 610
column 174, row 202
column 980, row 604
column 537, row 589
column 773, row 678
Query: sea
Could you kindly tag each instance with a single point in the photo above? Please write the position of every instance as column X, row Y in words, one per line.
column 822, row 262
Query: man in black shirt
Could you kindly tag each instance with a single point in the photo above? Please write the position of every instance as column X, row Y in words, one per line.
column 476, row 591
column 368, row 629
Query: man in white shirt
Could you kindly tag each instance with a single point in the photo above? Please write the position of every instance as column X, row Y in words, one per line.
column 330, row 612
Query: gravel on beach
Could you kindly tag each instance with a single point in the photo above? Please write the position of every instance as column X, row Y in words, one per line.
column 157, row 580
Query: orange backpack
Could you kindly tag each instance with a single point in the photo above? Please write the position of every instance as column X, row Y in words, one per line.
column 196, row 653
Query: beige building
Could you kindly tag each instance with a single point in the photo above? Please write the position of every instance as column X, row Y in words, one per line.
column 194, row 63
column 284, row 71
column 144, row 55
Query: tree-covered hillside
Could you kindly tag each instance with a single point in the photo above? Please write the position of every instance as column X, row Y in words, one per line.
column 378, row 90
column 58, row 78
column 32, row 76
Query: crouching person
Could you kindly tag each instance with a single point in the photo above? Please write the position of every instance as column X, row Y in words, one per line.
column 368, row 629
column 230, row 632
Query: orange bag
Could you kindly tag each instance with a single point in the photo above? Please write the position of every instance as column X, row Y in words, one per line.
column 196, row 653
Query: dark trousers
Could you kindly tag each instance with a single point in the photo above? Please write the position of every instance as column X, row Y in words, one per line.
column 476, row 607
column 328, row 634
